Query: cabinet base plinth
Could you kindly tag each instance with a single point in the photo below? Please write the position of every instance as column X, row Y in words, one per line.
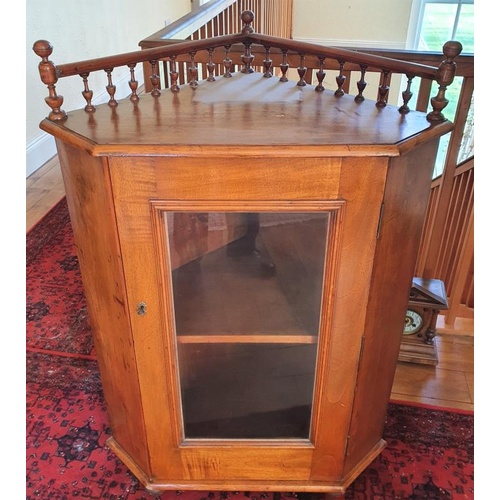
column 155, row 487
column 154, row 493
column 415, row 350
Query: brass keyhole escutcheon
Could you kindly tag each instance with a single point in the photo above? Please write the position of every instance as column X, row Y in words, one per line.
column 141, row 308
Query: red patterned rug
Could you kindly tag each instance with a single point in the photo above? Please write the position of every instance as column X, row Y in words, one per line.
column 429, row 453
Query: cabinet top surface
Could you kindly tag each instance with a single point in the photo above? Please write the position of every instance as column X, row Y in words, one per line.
column 245, row 112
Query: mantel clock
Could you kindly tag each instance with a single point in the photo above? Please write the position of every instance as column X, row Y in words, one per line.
column 427, row 299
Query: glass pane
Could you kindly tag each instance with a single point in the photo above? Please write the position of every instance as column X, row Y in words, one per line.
column 247, row 291
column 437, row 26
column 465, row 28
column 247, row 391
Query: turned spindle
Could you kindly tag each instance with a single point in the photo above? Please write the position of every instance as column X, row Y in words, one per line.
column 133, row 83
column 268, row 62
column 111, row 88
column 361, row 84
column 444, row 76
column 247, row 58
column 383, row 89
column 228, row 63
column 407, row 94
column 301, row 70
column 340, row 79
column 320, row 74
column 155, row 79
column 48, row 75
column 174, row 75
column 210, row 65
column 193, row 71
column 87, row 93
column 284, row 66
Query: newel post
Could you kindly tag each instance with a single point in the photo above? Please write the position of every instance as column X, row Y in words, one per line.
column 48, row 75
column 444, row 77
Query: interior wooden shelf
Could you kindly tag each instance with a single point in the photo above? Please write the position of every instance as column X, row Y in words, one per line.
column 247, row 339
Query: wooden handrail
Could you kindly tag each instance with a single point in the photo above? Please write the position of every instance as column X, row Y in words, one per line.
column 139, row 56
column 175, row 48
column 464, row 61
column 373, row 62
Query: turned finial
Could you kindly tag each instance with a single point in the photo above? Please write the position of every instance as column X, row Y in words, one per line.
column 48, row 75
column 247, row 16
column 452, row 49
column 444, row 77
column 43, row 49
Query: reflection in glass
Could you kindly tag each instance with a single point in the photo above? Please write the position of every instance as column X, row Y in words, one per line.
column 247, row 291
column 245, row 391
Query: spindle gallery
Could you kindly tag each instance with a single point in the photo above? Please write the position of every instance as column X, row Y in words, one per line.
column 247, row 241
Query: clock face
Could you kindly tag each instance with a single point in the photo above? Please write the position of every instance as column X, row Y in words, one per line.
column 413, row 322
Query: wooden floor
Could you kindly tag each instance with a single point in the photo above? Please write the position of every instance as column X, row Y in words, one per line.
column 449, row 384
column 44, row 188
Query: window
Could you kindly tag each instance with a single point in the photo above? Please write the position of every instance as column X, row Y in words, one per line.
column 441, row 20
column 435, row 22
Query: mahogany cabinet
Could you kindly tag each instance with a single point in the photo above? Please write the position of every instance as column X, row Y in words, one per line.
column 247, row 248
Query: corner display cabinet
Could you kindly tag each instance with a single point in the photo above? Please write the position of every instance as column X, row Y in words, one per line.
column 247, row 243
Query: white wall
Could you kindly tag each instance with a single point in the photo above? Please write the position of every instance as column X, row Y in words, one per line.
column 355, row 23
column 77, row 31
column 381, row 23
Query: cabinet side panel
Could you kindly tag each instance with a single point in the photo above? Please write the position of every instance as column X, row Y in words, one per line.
column 405, row 202
column 362, row 183
column 88, row 192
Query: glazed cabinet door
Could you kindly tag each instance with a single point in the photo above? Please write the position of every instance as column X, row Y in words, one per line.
column 239, row 305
